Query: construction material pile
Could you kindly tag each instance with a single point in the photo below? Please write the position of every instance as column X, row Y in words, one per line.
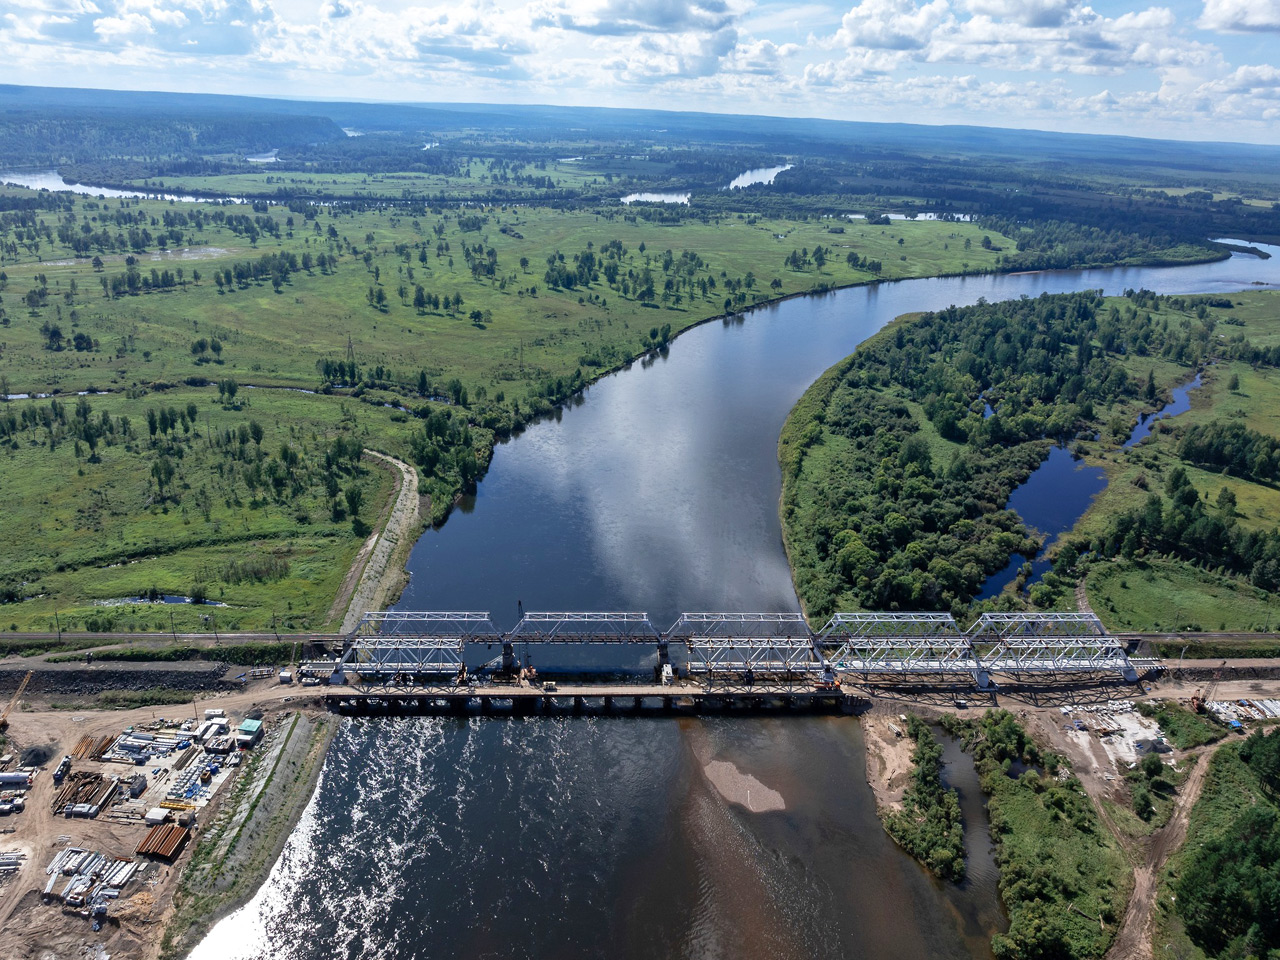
column 163, row 840
column 91, row 748
column 140, row 747
column 95, row 877
column 11, row 863
column 84, row 794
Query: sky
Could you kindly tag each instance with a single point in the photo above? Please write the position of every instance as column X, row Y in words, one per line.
column 1187, row 69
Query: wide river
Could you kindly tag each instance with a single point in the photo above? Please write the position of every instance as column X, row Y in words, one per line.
column 586, row 837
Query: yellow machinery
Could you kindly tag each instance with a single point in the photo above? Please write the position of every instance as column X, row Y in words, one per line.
column 4, row 717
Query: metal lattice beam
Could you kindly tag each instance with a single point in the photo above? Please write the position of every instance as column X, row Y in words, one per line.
column 429, row 623
column 913, row 643
column 697, row 625
column 1047, row 643
column 584, row 628
column 762, row 655
column 386, row 644
column 914, row 626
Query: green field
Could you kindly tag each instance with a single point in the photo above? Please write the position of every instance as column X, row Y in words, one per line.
column 1163, row 593
column 520, row 307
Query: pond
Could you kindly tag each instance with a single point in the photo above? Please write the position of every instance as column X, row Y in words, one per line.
column 1050, row 502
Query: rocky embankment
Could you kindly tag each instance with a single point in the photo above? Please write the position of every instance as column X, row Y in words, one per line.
column 79, row 679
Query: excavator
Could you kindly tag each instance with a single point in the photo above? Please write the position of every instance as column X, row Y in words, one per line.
column 4, row 717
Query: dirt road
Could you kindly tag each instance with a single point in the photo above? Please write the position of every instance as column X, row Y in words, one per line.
column 370, row 580
column 1134, row 939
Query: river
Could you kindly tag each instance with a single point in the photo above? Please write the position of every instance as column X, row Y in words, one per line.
column 578, row 837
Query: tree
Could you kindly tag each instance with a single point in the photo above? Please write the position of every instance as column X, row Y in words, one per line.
column 355, row 497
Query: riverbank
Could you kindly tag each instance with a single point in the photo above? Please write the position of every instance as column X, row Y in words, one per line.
column 241, row 845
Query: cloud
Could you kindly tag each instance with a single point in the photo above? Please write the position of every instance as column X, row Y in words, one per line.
column 623, row 17
column 1241, row 16
column 891, row 24
column 1029, row 13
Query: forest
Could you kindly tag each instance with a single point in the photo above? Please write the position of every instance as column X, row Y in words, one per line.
column 945, row 414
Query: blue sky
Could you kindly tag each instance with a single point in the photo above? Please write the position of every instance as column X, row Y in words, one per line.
column 1190, row 69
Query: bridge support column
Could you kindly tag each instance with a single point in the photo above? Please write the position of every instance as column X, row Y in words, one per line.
column 577, row 704
column 608, row 704
column 983, row 679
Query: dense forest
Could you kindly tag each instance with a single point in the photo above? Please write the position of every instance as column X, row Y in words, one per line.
column 1227, row 885
column 903, row 420
column 1105, row 209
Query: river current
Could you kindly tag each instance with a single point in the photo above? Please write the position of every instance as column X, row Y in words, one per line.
column 585, row 837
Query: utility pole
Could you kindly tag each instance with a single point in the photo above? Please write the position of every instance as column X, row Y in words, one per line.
column 173, row 627
column 58, row 621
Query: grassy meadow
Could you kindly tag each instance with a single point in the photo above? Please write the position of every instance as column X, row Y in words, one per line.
column 489, row 344
column 1166, row 594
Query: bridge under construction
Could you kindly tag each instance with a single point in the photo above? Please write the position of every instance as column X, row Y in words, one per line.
column 450, row 653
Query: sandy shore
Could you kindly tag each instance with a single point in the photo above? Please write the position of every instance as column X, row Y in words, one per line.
column 888, row 758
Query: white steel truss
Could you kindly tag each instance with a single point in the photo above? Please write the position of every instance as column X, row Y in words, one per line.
column 1047, row 643
column 767, row 644
column 419, row 644
column 762, row 655
column 429, row 623
column 414, row 644
column 896, row 643
column 584, row 628
column 695, row 625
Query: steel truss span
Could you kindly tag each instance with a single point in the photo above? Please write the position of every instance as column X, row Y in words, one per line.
column 394, row 645
column 421, row 644
column 767, row 644
column 584, row 628
column 910, row 643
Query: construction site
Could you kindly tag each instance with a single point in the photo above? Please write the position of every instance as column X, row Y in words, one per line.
column 130, row 832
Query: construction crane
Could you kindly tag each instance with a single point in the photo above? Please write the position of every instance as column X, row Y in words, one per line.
column 4, row 717
column 1200, row 702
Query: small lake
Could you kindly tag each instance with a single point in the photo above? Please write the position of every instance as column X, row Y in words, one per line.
column 759, row 175
column 1056, row 496
column 1180, row 403
column 1050, row 502
column 656, row 198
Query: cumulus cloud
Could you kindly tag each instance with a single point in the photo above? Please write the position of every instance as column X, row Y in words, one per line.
column 1030, row 13
column 1241, row 16
column 891, row 24
column 621, row 17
